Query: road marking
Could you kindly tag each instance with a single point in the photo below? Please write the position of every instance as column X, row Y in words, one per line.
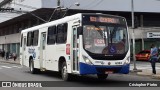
column 6, row 67
column 16, row 66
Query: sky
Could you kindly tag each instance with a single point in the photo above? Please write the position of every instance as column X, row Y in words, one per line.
column 106, row 5
column 115, row 5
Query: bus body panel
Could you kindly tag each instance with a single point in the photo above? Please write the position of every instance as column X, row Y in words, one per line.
column 93, row 69
column 100, row 66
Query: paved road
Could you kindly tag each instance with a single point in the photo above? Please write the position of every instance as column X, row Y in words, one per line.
column 16, row 72
column 13, row 72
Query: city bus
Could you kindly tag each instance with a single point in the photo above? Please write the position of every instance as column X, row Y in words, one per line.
column 80, row 44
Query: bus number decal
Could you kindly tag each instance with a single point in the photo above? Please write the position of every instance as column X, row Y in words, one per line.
column 99, row 42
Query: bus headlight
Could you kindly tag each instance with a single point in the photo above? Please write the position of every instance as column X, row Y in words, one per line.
column 127, row 61
column 87, row 60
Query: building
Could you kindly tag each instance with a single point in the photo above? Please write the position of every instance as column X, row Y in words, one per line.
column 27, row 14
column 10, row 27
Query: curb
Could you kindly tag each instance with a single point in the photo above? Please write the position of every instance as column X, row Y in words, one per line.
column 144, row 73
column 135, row 71
column 156, row 76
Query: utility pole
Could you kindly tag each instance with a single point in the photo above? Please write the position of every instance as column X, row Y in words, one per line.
column 58, row 10
column 133, row 37
column 133, row 34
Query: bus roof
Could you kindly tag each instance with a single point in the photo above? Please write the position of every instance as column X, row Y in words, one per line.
column 63, row 20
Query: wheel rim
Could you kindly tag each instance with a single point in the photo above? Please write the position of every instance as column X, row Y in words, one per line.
column 64, row 72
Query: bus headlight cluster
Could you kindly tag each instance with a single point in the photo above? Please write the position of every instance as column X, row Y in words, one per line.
column 127, row 61
column 87, row 60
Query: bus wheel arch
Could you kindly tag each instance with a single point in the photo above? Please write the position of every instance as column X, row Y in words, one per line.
column 62, row 64
column 30, row 59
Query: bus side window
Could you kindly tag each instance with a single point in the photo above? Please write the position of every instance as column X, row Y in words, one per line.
column 35, row 37
column 51, row 36
column 62, row 33
column 65, row 28
column 29, row 38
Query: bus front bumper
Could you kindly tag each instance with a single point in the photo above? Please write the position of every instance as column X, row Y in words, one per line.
column 93, row 69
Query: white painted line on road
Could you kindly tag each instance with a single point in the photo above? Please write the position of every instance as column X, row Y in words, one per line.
column 6, row 67
column 16, row 66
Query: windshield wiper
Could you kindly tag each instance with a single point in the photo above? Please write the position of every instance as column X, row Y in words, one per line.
column 112, row 33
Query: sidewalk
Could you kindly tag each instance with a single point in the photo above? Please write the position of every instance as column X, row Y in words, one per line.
column 145, row 69
column 146, row 72
column 10, row 61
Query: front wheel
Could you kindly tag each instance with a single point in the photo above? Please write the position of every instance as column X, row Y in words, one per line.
column 102, row 76
column 64, row 72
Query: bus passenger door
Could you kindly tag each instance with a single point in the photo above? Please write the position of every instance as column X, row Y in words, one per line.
column 23, row 51
column 42, row 50
column 74, row 52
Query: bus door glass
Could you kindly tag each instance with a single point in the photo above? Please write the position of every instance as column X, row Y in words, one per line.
column 42, row 49
column 75, row 49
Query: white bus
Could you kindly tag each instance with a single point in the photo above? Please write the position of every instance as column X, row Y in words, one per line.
column 79, row 44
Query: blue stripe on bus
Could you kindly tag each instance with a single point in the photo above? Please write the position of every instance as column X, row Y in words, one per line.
column 92, row 69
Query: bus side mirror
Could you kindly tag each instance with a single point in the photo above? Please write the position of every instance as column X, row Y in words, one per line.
column 79, row 31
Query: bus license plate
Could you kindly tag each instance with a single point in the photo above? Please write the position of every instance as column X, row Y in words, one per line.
column 108, row 72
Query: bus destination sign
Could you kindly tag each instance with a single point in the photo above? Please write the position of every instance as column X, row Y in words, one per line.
column 104, row 19
column 108, row 19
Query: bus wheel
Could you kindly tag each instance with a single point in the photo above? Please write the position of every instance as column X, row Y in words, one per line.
column 31, row 67
column 102, row 76
column 64, row 73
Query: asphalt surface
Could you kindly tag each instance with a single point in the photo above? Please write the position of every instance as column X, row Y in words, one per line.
column 14, row 72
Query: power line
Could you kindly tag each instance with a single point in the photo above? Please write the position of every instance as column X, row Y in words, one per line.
column 52, row 15
column 17, row 11
column 33, row 15
column 27, row 6
column 37, row 17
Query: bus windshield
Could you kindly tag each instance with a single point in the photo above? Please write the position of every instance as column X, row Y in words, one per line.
column 105, row 39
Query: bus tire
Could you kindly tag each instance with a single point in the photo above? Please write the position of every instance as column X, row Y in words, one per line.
column 102, row 76
column 64, row 73
column 31, row 67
